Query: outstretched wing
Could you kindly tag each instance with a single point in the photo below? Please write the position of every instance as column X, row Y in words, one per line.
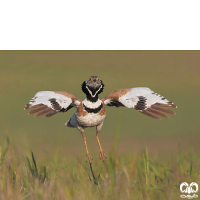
column 50, row 103
column 142, row 99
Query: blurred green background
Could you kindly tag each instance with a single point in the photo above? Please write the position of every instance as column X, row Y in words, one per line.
column 173, row 74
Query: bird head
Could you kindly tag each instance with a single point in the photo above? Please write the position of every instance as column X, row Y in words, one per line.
column 93, row 86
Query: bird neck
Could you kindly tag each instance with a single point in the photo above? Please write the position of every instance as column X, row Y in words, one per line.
column 92, row 99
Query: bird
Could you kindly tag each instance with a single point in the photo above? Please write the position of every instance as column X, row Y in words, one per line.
column 90, row 112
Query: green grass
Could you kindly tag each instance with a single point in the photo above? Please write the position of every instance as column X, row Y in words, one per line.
column 125, row 176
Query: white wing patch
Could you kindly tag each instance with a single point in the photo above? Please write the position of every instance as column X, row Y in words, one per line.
column 142, row 94
column 49, row 102
column 44, row 97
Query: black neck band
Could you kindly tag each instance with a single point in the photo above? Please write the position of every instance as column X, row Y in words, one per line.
column 93, row 110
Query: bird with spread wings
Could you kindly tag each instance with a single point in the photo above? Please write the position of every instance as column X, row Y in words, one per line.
column 91, row 111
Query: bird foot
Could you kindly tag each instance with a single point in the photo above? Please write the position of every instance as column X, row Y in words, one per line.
column 89, row 157
column 102, row 156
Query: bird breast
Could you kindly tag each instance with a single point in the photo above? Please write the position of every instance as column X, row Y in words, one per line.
column 90, row 119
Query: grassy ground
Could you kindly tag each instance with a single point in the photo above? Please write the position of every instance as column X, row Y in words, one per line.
column 128, row 176
column 131, row 171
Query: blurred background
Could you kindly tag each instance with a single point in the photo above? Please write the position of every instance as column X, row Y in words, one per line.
column 173, row 74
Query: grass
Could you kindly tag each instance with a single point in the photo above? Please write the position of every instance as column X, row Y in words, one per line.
column 126, row 176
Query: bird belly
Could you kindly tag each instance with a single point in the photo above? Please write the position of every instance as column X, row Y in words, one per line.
column 90, row 119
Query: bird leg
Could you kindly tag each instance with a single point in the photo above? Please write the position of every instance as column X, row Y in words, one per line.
column 102, row 155
column 88, row 156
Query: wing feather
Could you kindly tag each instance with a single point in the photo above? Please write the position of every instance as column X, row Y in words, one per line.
column 149, row 114
column 42, row 112
column 51, row 102
column 157, row 112
column 53, row 112
column 38, row 109
column 163, row 109
column 142, row 99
